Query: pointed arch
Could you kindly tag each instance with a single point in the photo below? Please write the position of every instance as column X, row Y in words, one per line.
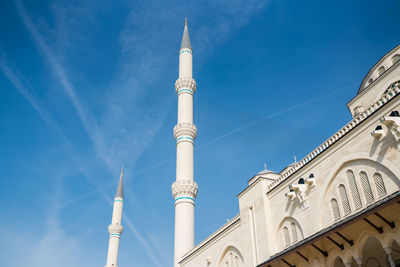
column 335, row 209
column 369, row 196
column 231, row 256
column 344, row 199
column 379, row 185
column 355, row 194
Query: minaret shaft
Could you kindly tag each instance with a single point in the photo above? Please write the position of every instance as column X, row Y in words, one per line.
column 115, row 228
column 184, row 189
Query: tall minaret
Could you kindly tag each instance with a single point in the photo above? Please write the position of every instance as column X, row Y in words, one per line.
column 184, row 189
column 115, row 228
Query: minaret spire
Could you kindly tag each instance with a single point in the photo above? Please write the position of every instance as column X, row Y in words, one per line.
column 184, row 189
column 120, row 188
column 185, row 37
column 115, row 228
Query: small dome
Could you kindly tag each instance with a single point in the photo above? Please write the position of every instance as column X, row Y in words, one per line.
column 265, row 171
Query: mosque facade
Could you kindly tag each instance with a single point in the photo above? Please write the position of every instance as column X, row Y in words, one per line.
column 338, row 206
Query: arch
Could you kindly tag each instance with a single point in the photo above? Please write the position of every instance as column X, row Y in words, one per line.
column 369, row 196
column 355, row 161
column 361, row 241
column 355, row 194
column 395, row 58
column 335, row 209
column 286, row 236
column 370, row 81
column 379, row 185
column 231, row 256
column 289, row 231
column 392, row 86
column 338, row 262
column 344, row 199
column 373, row 254
column 293, row 231
column 381, row 70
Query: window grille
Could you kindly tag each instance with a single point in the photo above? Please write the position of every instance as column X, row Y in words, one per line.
column 286, row 235
column 351, row 179
column 335, row 209
column 294, row 231
column 379, row 184
column 369, row 197
column 345, row 200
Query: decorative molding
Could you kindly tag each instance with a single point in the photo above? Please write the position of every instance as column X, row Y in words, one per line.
column 390, row 94
column 393, row 125
column 212, row 236
column 115, row 229
column 184, row 189
column 185, row 85
column 378, row 133
column 185, row 132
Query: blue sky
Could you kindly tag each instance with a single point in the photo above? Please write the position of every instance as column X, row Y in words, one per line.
column 88, row 86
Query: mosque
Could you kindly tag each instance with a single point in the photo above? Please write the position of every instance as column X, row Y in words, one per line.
column 338, row 206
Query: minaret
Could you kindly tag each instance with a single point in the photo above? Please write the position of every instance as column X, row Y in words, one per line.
column 115, row 228
column 184, row 189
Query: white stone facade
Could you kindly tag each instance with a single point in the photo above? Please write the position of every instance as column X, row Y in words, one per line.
column 339, row 206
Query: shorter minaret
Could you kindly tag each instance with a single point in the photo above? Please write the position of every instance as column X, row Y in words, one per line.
column 115, row 228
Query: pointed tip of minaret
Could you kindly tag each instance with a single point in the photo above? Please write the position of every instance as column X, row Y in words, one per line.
column 185, row 37
column 120, row 189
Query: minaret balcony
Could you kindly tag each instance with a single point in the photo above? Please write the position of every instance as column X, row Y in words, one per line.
column 115, row 229
column 184, row 189
column 185, row 132
column 185, row 85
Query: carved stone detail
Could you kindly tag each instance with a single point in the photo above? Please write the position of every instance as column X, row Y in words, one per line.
column 184, row 188
column 185, row 85
column 115, row 229
column 185, row 130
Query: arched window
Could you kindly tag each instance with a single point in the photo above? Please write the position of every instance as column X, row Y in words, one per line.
column 369, row 197
column 335, row 209
column 395, row 58
column 351, row 179
column 381, row 70
column 370, row 81
column 286, row 236
column 294, row 231
column 345, row 200
column 392, row 86
column 380, row 186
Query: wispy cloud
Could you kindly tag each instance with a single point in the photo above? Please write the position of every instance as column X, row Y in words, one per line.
column 28, row 93
column 87, row 119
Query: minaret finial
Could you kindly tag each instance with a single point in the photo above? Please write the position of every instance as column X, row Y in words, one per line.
column 265, row 166
column 185, row 21
column 295, row 160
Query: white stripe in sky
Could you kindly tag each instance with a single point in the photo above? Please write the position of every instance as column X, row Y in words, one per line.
column 26, row 91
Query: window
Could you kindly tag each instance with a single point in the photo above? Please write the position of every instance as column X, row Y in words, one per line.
column 345, row 200
column 370, row 81
column 395, row 58
column 380, row 186
column 335, row 209
column 294, row 231
column 369, row 197
column 392, row 86
column 286, row 236
column 381, row 70
column 351, row 179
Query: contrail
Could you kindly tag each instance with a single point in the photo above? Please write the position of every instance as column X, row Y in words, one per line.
column 26, row 90
column 245, row 126
column 272, row 115
column 85, row 116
